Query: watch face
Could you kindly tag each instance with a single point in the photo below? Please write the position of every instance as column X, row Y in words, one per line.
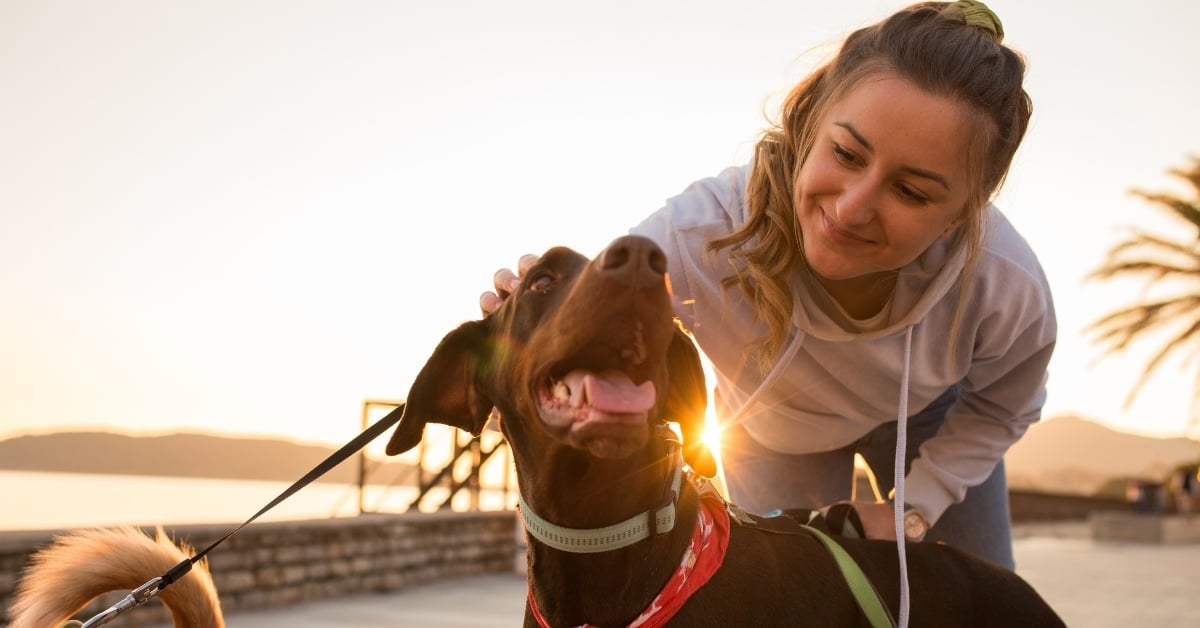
column 914, row 526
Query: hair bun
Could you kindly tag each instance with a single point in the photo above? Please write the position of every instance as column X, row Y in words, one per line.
column 978, row 14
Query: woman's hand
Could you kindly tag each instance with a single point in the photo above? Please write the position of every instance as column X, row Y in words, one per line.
column 878, row 519
column 506, row 282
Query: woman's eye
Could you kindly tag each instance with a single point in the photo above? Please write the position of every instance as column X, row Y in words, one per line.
column 541, row 283
column 844, row 156
column 912, row 196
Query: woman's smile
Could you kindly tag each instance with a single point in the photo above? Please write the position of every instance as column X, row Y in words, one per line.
column 841, row 236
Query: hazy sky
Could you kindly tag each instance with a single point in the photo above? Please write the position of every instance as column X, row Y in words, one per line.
column 249, row 216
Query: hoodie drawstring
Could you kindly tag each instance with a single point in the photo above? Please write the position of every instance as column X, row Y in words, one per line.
column 901, row 445
column 779, row 367
column 901, row 454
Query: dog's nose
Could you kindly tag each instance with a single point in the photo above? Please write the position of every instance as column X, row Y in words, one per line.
column 633, row 255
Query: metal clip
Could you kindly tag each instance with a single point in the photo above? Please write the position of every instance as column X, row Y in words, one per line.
column 136, row 598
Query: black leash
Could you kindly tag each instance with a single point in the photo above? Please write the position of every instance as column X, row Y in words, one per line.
column 153, row 587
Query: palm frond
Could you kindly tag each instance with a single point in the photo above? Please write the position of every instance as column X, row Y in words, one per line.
column 1141, row 245
column 1155, row 258
column 1187, row 210
column 1117, row 329
column 1191, row 174
column 1139, row 239
column 1172, row 346
column 1155, row 269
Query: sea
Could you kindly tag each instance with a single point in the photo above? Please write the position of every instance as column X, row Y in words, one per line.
column 36, row 500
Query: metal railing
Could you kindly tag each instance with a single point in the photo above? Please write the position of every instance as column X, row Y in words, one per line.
column 449, row 469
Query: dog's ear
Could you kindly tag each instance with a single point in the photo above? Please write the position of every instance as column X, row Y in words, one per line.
column 687, row 401
column 445, row 390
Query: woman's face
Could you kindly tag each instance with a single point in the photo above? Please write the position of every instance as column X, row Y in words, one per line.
column 885, row 178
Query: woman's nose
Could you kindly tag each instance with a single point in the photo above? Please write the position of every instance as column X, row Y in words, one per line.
column 857, row 203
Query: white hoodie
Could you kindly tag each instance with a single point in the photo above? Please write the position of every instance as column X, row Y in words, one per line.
column 838, row 378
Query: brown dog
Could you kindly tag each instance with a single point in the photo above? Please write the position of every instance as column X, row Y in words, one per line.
column 81, row 565
column 584, row 363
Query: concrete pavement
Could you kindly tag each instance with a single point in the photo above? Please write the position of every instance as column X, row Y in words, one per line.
column 494, row 601
column 1103, row 584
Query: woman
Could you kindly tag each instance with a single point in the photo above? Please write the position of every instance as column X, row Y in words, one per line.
column 855, row 271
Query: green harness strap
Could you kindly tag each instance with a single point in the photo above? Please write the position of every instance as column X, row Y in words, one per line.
column 860, row 586
column 864, row 593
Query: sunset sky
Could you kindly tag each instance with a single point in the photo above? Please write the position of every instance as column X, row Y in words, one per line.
column 249, row 216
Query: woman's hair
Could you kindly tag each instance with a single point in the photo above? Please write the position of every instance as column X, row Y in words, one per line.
column 951, row 50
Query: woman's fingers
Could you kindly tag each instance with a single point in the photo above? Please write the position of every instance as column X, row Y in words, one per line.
column 490, row 302
column 505, row 282
column 526, row 262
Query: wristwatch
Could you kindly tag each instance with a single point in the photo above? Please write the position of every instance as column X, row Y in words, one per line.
column 915, row 524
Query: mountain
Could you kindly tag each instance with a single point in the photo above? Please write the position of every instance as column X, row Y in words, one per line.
column 1069, row 454
column 1062, row 455
column 183, row 455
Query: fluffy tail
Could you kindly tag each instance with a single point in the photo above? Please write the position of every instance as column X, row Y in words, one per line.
column 81, row 565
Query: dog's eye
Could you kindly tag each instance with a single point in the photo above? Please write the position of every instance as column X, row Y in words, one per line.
column 541, row 283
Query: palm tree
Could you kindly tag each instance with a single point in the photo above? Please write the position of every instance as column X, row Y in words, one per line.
column 1154, row 258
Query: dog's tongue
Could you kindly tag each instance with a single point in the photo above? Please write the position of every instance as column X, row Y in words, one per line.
column 610, row 391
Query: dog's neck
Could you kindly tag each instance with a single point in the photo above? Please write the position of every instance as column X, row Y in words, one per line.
column 659, row 519
column 569, row 487
column 614, row 585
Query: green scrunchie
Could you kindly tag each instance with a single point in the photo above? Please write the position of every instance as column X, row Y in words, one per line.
column 979, row 15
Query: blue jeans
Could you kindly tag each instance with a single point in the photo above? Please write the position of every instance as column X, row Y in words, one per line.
column 760, row 480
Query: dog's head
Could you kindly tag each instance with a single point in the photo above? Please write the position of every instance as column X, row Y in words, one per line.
column 584, row 353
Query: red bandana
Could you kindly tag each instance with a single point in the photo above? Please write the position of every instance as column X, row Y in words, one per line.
column 701, row 560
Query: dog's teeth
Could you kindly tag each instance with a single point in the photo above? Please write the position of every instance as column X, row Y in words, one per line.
column 561, row 391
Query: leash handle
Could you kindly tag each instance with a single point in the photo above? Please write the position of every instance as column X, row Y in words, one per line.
column 153, row 587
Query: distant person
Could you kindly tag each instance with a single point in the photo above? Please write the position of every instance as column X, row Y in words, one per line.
column 1186, row 485
column 853, row 282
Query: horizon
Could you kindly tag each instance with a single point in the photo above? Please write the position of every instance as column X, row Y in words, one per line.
column 214, row 226
column 375, row 447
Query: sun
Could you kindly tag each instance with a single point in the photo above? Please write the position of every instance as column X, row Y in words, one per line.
column 711, row 437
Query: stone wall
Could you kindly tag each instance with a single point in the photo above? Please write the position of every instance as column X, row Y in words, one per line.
column 1140, row 527
column 281, row 563
column 1034, row 506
